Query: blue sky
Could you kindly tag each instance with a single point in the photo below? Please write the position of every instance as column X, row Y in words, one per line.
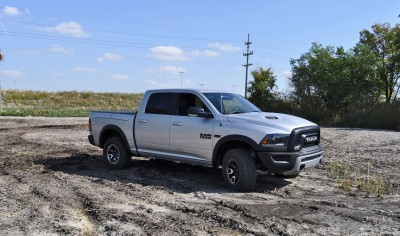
column 133, row 46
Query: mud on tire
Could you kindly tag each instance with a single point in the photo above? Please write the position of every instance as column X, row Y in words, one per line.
column 239, row 170
column 115, row 153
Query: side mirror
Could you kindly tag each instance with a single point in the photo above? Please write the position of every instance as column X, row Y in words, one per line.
column 198, row 111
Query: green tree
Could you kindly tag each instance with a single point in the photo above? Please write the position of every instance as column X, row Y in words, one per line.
column 384, row 42
column 330, row 79
column 261, row 88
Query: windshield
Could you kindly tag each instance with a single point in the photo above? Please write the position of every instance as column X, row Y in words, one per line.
column 231, row 103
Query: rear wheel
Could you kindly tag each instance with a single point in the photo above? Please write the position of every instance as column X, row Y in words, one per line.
column 239, row 170
column 115, row 153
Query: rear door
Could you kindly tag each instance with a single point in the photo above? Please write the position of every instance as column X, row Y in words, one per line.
column 191, row 137
column 152, row 127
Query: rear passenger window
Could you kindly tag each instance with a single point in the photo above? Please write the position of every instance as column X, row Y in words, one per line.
column 161, row 103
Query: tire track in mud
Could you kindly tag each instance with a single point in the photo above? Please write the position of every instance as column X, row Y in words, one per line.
column 68, row 190
column 150, row 196
column 147, row 195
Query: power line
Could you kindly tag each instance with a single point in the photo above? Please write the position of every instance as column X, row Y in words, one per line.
column 279, row 48
column 134, row 22
column 122, row 44
column 89, row 41
column 89, row 54
column 122, row 33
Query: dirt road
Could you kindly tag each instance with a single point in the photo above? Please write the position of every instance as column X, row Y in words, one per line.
column 52, row 182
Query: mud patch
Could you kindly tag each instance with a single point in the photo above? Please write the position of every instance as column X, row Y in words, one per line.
column 52, row 182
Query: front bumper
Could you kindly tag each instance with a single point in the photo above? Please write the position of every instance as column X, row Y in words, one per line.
column 289, row 163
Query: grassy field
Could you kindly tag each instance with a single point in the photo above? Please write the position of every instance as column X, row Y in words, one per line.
column 79, row 104
column 64, row 104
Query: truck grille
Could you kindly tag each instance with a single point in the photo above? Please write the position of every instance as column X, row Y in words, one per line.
column 304, row 137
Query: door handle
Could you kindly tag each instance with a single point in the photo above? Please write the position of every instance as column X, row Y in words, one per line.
column 177, row 123
column 142, row 121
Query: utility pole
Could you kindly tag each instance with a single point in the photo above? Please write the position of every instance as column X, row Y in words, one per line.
column 247, row 54
column 1, row 100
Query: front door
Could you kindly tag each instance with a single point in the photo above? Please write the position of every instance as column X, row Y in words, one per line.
column 191, row 137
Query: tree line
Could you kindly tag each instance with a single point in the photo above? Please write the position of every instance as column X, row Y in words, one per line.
column 329, row 85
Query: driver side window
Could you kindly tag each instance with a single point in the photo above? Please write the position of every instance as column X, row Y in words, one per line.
column 186, row 100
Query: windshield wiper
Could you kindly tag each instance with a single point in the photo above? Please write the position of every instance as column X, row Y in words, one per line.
column 237, row 112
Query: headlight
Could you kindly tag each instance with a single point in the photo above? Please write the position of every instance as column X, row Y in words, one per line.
column 275, row 141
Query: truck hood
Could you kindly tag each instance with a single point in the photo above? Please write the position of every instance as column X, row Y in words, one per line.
column 275, row 122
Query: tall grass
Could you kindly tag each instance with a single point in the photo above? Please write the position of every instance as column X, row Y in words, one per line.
column 356, row 179
column 64, row 104
column 375, row 116
column 79, row 104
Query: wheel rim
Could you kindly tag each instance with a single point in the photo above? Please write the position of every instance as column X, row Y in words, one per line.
column 232, row 170
column 112, row 154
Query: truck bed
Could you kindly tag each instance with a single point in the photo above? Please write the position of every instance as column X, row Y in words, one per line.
column 120, row 121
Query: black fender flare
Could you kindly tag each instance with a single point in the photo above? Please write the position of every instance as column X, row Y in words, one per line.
column 116, row 129
column 238, row 138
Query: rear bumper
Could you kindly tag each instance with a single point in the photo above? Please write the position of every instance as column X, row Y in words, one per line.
column 289, row 163
column 91, row 140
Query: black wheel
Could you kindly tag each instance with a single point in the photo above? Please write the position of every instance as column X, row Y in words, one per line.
column 115, row 153
column 286, row 176
column 239, row 170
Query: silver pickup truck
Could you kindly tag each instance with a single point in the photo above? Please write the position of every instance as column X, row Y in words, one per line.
column 210, row 128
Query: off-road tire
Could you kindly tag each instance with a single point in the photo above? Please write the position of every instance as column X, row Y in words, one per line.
column 239, row 170
column 116, row 155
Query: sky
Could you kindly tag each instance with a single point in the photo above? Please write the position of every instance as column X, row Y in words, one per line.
column 131, row 46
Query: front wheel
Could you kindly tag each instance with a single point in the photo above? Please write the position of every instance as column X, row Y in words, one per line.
column 239, row 170
column 115, row 153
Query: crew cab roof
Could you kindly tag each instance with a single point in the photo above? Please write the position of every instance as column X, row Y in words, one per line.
column 182, row 90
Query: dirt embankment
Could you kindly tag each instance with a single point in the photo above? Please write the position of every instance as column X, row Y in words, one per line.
column 52, row 182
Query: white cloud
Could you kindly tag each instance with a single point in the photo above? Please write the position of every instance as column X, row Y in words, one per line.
column 57, row 74
column 156, row 84
column 71, row 28
column 224, row 47
column 122, row 77
column 206, row 53
column 12, row 74
column 85, row 69
column 171, row 70
column 58, row 48
column 167, row 71
column 110, row 57
column 168, row 53
column 11, row 11
column 171, row 53
column 188, row 83
column 287, row 74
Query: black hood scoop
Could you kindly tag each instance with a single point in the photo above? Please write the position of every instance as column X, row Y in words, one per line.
column 272, row 117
